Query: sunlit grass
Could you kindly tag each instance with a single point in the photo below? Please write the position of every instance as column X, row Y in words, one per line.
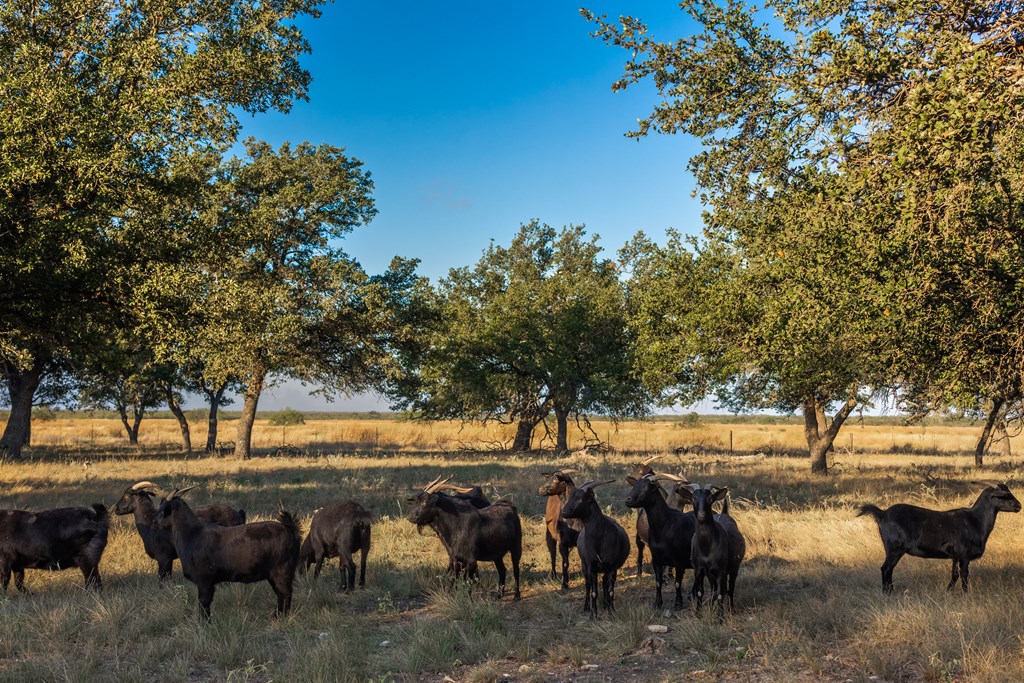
column 809, row 600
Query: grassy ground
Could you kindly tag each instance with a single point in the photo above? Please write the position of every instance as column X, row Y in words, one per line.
column 809, row 601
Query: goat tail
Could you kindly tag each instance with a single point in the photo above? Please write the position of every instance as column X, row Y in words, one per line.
column 102, row 515
column 241, row 515
column 290, row 523
column 869, row 509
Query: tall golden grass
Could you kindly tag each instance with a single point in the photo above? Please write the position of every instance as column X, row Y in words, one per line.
column 407, row 435
column 809, row 599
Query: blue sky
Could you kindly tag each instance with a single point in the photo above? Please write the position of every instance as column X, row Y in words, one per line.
column 475, row 117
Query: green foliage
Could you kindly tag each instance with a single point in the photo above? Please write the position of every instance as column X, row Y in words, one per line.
column 861, row 167
column 533, row 328
column 102, row 103
column 288, row 416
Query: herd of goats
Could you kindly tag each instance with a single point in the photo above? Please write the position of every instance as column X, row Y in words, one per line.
column 215, row 544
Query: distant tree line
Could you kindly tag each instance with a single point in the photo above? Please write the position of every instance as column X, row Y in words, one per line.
column 862, row 236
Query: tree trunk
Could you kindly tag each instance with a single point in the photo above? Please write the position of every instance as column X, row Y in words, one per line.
column 524, row 434
column 175, row 407
column 562, row 438
column 1003, row 437
column 820, row 438
column 131, row 427
column 990, row 421
column 215, row 398
column 21, row 387
column 253, row 389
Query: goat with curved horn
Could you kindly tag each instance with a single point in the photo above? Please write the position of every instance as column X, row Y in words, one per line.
column 603, row 545
column 137, row 500
column 560, row 534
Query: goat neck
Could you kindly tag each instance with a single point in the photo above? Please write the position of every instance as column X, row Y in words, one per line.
column 707, row 531
column 985, row 509
column 648, row 494
column 183, row 522
column 143, row 510
column 447, row 512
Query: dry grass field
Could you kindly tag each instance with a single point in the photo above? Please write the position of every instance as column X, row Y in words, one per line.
column 809, row 600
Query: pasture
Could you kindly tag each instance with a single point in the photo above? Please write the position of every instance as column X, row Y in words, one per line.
column 809, row 599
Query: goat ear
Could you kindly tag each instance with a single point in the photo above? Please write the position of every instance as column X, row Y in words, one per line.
column 720, row 494
column 630, row 479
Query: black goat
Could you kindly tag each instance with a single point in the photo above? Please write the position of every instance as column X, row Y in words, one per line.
column 53, row 539
column 471, row 535
column 137, row 500
column 560, row 534
column 474, row 495
column 247, row 553
column 670, row 534
column 603, row 545
column 717, row 548
column 642, row 527
column 959, row 534
column 338, row 530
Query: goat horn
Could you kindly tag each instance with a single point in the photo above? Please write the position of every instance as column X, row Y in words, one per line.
column 569, row 471
column 987, row 482
column 453, row 487
column 647, row 461
column 593, row 483
column 436, row 485
column 433, row 483
column 178, row 493
column 671, row 477
column 144, row 485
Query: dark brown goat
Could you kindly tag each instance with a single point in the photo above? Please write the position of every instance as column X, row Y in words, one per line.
column 717, row 549
column 603, row 546
column 642, row 527
column 259, row 551
column 560, row 534
column 53, row 539
column 338, row 530
column 471, row 535
column 137, row 500
column 959, row 534
column 671, row 532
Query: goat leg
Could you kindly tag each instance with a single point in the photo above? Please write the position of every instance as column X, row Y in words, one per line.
column 552, row 547
column 892, row 557
column 639, row 556
column 954, row 574
column 362, row 564
column 680, row 573
column 659, row 576
column 499, row 565
column 205, row 601
column 164, row 569
column 564, row 548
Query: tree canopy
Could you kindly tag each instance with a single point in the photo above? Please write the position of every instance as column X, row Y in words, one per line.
column 533, row 329
column 100, row 100
column 891, row 129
